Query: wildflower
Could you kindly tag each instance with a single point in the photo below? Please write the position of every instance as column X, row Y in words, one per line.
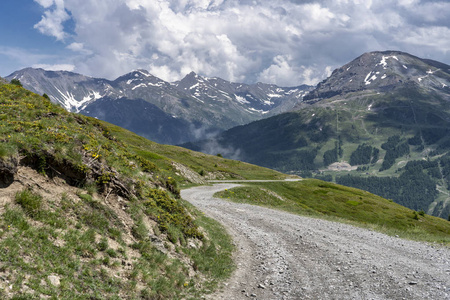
column 185, row 284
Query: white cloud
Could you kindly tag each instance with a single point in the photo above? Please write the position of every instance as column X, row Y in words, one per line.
column 45, row 3
column 52, row 21
column 276, row 41
column 431, row 37
column 79, row 47
column 56, row 67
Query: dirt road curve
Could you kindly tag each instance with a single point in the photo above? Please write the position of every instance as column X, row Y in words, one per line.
column 284, row 256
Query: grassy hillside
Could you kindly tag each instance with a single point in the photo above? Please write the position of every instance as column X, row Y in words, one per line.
column 87, row 215
column 90, row 210
column 336, row 202
column 206, row 166
column 362, row 134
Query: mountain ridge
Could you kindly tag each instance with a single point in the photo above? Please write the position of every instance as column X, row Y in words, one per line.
column 370, row 71
column 206, row 105
column 386, row 113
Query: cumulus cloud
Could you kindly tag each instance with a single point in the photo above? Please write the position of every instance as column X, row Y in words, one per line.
column 276, row 41
column 53, row 18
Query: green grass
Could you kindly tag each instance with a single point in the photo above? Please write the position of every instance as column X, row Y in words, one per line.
column 163, row 155
column 81, row 239
column 214, row 257
column 335, row 202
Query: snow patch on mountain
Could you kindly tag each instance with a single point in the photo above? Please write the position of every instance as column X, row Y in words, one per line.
column 368, row 80
column 138, row 86
column 71, row 103
column 383, row 61
column 194, row 86
column 144, row 73
column 241, row 99
column 158, row 84
column 290, row 92
column 259, row 111
column 274, row 95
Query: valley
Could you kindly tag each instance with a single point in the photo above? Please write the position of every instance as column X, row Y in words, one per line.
column 93, row 210
column 382, row 115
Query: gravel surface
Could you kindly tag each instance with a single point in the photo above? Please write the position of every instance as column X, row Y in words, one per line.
column 285, row 256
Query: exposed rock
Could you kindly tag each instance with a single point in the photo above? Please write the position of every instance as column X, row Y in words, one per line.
column 54, row 280
column 188, row 173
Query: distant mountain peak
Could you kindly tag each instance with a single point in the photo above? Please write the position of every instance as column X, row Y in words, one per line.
column 201, row 104
column 383, row 71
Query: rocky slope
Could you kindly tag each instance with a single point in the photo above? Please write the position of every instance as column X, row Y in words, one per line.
column 384, row 72
column 191, row 108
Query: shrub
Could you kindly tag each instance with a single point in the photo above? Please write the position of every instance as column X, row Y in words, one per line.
column 16, row 82
column 172, row 186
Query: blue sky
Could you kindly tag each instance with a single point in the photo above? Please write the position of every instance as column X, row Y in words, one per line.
column 286, row 42
column 21, row 45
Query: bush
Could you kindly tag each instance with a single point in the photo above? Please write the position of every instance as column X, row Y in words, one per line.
column 16, row 82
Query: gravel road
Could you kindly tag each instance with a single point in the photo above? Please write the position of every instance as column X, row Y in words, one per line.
column 285, row 256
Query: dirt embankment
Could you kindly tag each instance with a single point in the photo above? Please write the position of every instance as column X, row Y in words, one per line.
column 284, row 256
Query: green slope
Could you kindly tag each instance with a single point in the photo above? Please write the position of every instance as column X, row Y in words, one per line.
column 377, row 133
column 328, row 200
column 86, row 215
column 206, row 166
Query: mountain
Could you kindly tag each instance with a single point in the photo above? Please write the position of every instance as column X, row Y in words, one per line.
column 384, row 72
column 90, row 210
column 192, row 108
column 380, row 123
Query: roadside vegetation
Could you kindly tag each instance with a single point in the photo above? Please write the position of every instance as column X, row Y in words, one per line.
column 89, row 215
column 321, row 199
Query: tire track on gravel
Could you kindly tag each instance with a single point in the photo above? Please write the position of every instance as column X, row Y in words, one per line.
column 285, row 256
